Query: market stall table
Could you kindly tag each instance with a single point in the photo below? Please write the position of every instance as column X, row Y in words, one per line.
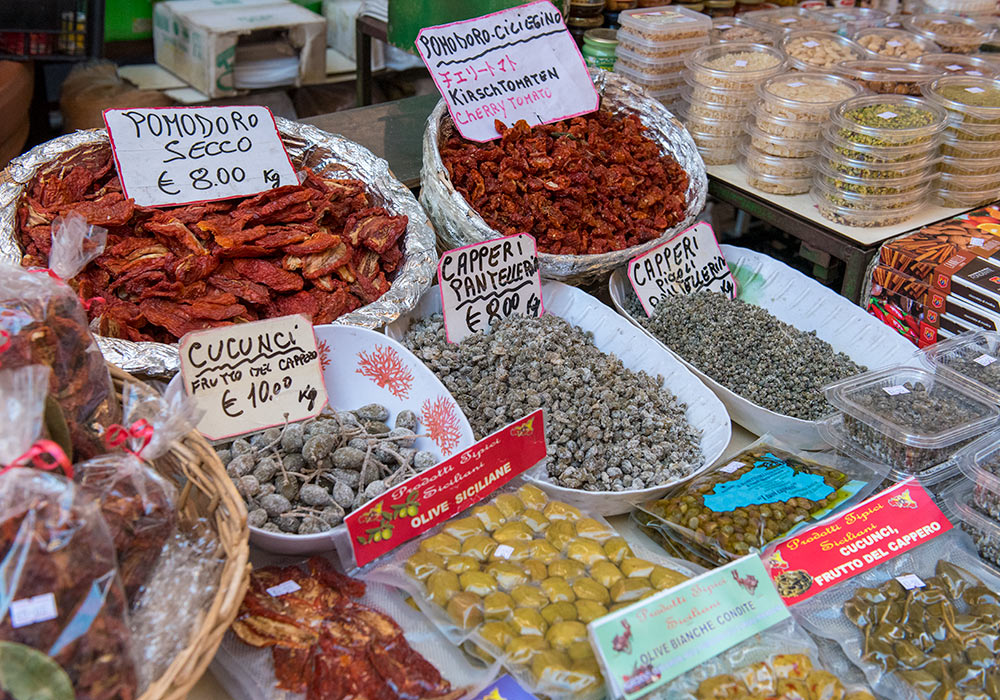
column 798, row 216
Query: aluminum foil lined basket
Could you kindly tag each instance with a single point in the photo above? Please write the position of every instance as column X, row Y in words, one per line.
column 457, row 224
column 308, row 147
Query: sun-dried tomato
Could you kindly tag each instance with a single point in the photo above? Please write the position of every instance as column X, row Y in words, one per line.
column 589, row 185
column 167, row 271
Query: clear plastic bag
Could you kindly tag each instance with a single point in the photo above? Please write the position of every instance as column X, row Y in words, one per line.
column 757, row 497
column 59, row 588
column 43, row 322
column 517, row 578
column 780, row 663
column 922, row 625
column 22, row 403
column 137, row 503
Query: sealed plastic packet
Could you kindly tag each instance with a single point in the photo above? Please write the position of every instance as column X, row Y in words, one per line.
column 22, row 402
column 780, row 663
column 60, row 595
column 43, row 322
column 516, row 579
column 137, row 503
column 902, row 592
column 758, row 496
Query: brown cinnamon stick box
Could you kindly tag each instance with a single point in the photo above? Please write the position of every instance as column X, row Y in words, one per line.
column 920, row 253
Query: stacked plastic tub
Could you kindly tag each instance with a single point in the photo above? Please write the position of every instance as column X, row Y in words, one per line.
column 912, row 419
column 722, row 81
column 876, row 163
column 970, row 161
column 968, row 8
column 786, row 129
column 959, row 64
column 790, row 19
column 953, row 34
column 974, row 358
column 851, row 19
column 738, row 30
column 652, row 46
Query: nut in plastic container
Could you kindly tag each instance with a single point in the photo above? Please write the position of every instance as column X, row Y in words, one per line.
column 812, row 49
column 805, row 97
column 889, row 120
column 734, row 66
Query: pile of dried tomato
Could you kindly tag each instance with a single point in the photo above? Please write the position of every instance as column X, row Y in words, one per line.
column 589, row 185
column 320, row 248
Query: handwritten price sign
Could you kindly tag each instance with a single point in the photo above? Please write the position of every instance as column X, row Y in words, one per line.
column 486, row 282
column 514, row 64
column 253, row 376
column 179, row 155
column 689, row 262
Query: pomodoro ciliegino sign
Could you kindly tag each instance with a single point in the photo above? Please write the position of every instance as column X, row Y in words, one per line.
column 514, row 64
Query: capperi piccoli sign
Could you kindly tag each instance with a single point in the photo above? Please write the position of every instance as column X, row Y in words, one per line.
column 514, row 64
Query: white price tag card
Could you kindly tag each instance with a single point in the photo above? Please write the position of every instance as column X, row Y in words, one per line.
column 895, row 390
column 689, row 262
column 252, row 376
column 28, row 611
column 985, row 360
column 731, row 467
column 283, row 588
column 910, row 581
column 975, row 242
column 486, row 282
column 888, row 115
column 178, row 155
column 514, row 64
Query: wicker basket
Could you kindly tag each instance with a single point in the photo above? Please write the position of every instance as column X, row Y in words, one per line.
column 204, row 491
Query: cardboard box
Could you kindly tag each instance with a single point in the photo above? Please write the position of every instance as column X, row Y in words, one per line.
column 197, row 39
column 919, row 254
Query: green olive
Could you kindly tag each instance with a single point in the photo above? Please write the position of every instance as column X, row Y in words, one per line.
column 422, row 564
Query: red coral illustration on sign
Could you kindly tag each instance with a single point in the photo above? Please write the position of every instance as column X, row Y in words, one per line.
column 440, row 417
column 324, row 354
column 385, row 367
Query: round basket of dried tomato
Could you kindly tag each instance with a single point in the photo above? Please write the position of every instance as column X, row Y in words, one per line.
column 594, row 190
column 349, row 243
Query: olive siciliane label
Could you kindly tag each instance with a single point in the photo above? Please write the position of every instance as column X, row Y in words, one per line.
column 253, row 376
column 839, row 548
column 651, row 642
column 484, row 283
column 441, row 492
column 179, row 155
column 689, row 262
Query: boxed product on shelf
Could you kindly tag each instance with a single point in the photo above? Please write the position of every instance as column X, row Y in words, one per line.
column 919, row 254
column 893, row 280
column 898, row 311
column 966, row 313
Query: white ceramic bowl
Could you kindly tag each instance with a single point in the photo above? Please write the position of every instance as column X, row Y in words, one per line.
column 351, row 350
column 613, row 334
column 801, row 302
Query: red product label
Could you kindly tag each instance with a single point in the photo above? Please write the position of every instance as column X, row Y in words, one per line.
column 441, row 492
column 838, row 548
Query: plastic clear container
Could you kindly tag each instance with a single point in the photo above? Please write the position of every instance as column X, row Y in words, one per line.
column 659, row 52
column 851, row 19
column 889, row 77
column 789, row 19
column 665, row 24
column 970, row 101
column 953, row 34
column 980, row 462
column 894, row 44
column 962, row 198
column 736, row 29
column 807, row 97
column 774, row 184
column 956, row 7
column 780, row 145
column 889, row 120
column 586, row 8
column 766, row 164
column 813, row 49
column 734, row 66
column 831, row 177
column 959, row 64
column 951, row 145
column 968, row 183
column 899, row 157
column 655, row 82
column 973, row 358
column 969, row 166
column 911, row 418
column 717, row 96
column 716, row 150
column 825, row 193
column 866, row 219
column 894, row 22
column 788, row 128
column 835, row 161
column 710, row 125
column 985, row 533
column 714, row 111
column 645, row 68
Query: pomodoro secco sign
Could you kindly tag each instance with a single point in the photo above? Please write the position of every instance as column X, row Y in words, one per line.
column 514, row 64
